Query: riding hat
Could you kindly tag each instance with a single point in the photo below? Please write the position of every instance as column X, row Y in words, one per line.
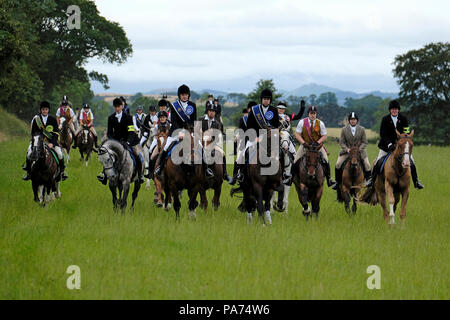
column 282, row 105
column 352, row 115
column 184, row 89
column 162, row 114
column 162, row 103
column 312, row 109
column 245, row 110
column 65, row 101
column 44, row 104
column 394, row 105
column 139, row 108
column 86, row 106
column 266, row 93
column 251, row 104
column 152, row 108
column 211, row 107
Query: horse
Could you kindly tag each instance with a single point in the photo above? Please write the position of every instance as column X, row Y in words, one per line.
column 44, row 172
column 214, row 182
column 308, row 180
column 352, row 178
column 394, row 180
column 160, row 200
column 280, row 203
column 85, row 142
column 177, row 177
column 65, row 137
column 120, row 171
column 262, row 186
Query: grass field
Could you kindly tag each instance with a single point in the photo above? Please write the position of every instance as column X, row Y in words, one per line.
column 147, row 255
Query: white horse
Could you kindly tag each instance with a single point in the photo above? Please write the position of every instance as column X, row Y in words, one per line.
column 288, row 146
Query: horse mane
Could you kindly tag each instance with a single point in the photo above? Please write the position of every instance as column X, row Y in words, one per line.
column 114, row 146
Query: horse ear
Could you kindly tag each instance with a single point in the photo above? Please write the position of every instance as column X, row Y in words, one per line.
column 411, row 134
column 398, row 133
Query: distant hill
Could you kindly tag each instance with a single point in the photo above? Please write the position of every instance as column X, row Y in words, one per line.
column 317, row 89
column 11, row 126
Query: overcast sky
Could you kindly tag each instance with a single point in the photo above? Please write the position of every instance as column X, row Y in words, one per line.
column 229, row 45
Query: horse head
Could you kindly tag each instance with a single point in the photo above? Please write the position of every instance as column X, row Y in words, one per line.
column 38, row 147
column 312, row 156
column 404, row 147
column 108, row 158
column 354, row 155
column 85, row 135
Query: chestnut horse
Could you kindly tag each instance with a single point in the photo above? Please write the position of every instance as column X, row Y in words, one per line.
column 308, row 180
column 394, row 181
column 161, row 138
column 352, row 177
column 65, row 137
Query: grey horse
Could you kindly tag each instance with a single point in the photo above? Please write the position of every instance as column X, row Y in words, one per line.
column 120, row 171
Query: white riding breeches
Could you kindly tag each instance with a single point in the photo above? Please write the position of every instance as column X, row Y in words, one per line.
column 301, row 152
column 343, row 157
column 382, row 153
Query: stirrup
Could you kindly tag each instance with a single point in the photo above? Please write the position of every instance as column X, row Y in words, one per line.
column 26, row 177
column 209, row 172
column 369, row 183
column 418, row 185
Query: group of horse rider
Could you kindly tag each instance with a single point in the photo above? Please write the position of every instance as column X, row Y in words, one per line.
column 135, row 131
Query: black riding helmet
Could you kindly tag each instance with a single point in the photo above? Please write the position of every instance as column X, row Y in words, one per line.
column 152, row 109
column 86, row 106
column 394, row 104
column 44, row 104
column 352, row 115
column 184, row 89
column 162, row 114
column 266, row 93
column 211, row 107
column 162, row 103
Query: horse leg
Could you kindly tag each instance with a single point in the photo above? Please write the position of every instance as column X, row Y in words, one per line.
column 397, row 199
column 354, row 206
column 315, row 203
column 159, row 197
column 267, row 198
column 192, row 203
column 203, row 199
column 381, row 195
column 114, row 197
column 88, row 155
column 35, row 187
column 57, row 192
column 41, row 194
column 259, row 198
column 137, row 187
column 405, row 196
column 304, row 201
column 286, row 198
column 216, row 198
column 126, row 189
column 176, row 204
column 391, row 200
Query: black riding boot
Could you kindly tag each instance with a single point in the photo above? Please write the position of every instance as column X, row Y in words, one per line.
column 27, row 168
column 102, row 177
column 151, row 168
column 62, row 166
column 95, row 141
column 367, row 175
column 373, row 176
column 417, row 184
column 161, row 161
column 338, row 176
column 235, row 170
column 225, row 173
column 330, row 181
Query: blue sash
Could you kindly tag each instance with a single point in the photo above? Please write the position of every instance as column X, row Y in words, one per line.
column 259, row 116
column 245, row 118
column 179, row 109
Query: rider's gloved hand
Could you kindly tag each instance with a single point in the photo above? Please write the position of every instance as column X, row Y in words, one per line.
column 391, row 147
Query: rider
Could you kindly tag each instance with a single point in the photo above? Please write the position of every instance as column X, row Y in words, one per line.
column 86, row 118
column 138, row 119
column 311, row 130
column 126, row 108
column 237, row 173
column 210, row 122
column 282, row 105
column 148, row 125
column 183, row 116
column 45, row 124
column 65, row 111
column 162, row 127
column 352, row 134
column 261, row 116
column 163, row 105
column 121, row 128
column 388, row 139
column 209, row 101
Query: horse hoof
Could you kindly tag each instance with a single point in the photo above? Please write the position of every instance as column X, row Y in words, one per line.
column 159, row 205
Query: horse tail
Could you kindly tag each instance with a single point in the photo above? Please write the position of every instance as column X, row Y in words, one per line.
column 368, row 196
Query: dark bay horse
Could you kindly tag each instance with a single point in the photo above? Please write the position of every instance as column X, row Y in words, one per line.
column 263, row 184
column 178, row 177
column 394, row 180
column 44, row 172
column 85, row 142
column 308, row 180
column 65, row 137
column 352, row 178
column 120, row 171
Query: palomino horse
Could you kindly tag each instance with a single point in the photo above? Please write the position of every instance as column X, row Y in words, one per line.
column 178, row 177
column 394, row 181
column 352, row 177
column 263, row 185
column 308, row 180
column 85, row 142
column 44, row 172
column 120, row 171
column 281, row 202
column 65, row 138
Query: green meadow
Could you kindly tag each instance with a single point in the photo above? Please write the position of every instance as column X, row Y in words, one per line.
column 146, row 254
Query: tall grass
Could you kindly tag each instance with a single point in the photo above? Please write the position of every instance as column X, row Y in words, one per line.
column 145, row 254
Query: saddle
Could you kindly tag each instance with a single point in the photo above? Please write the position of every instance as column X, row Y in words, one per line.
column 382, row 161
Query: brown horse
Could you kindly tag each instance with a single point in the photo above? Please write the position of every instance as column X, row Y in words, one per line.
column 65, row 137
column 161, row 138
column 394, row 181
column 352, row 177
column 214, row 182
column 44, row 172
column 308, row 180
column 262, row 186
column 178, row 177
column 85, row 142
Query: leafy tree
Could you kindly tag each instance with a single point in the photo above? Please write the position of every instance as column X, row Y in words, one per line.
column 424, row 79
column 262, row 84
column 327, row 98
